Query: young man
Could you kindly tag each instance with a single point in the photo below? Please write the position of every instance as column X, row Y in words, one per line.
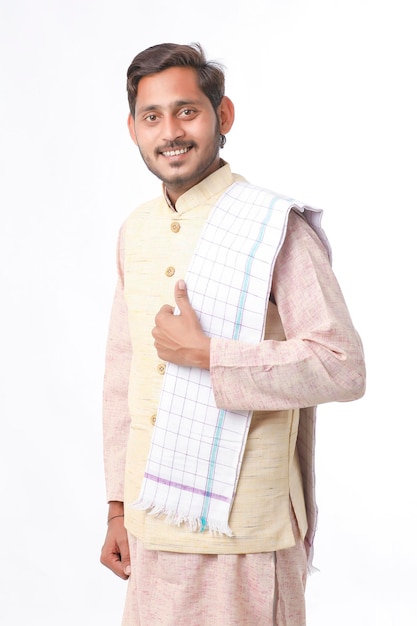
column 209, row 408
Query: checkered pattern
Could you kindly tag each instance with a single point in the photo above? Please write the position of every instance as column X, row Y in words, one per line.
column 197, row 448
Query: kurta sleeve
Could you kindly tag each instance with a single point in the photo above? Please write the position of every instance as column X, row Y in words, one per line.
column 116, row 420
column 322, row 357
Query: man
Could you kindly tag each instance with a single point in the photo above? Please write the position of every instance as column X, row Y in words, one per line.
column 209, row 407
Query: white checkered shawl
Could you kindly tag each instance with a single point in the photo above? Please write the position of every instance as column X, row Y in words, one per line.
column 197, row 448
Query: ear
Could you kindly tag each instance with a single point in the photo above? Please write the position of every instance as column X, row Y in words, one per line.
column 226, row 112
column 132, row 130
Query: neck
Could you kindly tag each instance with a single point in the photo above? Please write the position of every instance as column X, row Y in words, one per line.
column 172, row 195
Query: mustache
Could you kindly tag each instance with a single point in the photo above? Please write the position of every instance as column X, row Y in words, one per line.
column 175, row 145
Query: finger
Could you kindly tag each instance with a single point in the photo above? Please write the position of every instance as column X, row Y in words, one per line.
column 125, row 558
column 117, row 568
column 166, row 309
column 113, row 560
column 181, row 295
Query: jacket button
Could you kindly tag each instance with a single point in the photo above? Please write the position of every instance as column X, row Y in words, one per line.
column 175, row 227
column 153, row 419
column 170, row 271
column 161, row 368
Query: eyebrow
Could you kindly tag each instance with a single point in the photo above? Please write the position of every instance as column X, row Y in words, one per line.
column 173, row 105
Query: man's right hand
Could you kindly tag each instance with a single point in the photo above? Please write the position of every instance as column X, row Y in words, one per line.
column 115, row 551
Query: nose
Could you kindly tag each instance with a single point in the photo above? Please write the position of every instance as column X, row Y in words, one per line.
column 172, row 128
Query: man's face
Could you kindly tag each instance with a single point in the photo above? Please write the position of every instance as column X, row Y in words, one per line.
column 176, row 129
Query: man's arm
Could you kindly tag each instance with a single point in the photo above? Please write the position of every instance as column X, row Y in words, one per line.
column 116, row 424
column 322, row 357
column 321, row 360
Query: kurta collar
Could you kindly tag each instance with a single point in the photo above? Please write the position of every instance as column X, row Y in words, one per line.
column 200, row 194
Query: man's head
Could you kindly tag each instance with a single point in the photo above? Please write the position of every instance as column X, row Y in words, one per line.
column 178, row 114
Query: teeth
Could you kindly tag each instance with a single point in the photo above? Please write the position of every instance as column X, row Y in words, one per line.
column 175, row 152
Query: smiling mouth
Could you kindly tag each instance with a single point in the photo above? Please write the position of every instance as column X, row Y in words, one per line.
column 173, row 153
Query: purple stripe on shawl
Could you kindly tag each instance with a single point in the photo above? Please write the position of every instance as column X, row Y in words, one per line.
column 200, row 492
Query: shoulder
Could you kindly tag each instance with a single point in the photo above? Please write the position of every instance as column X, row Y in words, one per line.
column 302, row 243
column 144, row 215
column 136, row 218
column 298, row 225
column 146, row 208
column 300, row 230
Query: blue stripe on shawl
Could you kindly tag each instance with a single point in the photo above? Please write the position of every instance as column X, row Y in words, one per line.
column 236, row 332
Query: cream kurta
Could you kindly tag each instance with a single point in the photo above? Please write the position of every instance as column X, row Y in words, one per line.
column 320, row 361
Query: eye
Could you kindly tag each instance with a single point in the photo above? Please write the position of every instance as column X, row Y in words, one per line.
column 151, row 117
column 187, row 113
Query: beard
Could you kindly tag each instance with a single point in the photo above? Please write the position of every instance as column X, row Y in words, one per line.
column 171, row 174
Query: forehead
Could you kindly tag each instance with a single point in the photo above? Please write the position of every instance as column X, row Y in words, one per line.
column 172, row 85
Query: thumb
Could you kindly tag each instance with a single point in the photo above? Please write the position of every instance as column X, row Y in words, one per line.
column 127, row 569
column 181, row 296
column 125, row 559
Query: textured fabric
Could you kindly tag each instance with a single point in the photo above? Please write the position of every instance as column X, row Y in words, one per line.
column 171, row 589
column 322, row 359
column 197, row 448
column 312, row 354
column 270, row 472
column 322, row 354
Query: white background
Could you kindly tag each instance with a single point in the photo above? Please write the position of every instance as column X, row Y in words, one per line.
column 326, row 112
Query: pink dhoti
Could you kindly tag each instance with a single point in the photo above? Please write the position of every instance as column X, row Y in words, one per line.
column 172, row 589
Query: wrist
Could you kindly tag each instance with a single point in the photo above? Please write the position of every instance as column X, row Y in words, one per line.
column 202, row 354
column 120, row 516
column 115, row 508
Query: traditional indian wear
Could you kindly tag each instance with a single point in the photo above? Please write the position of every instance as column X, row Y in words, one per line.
column 310, row 353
